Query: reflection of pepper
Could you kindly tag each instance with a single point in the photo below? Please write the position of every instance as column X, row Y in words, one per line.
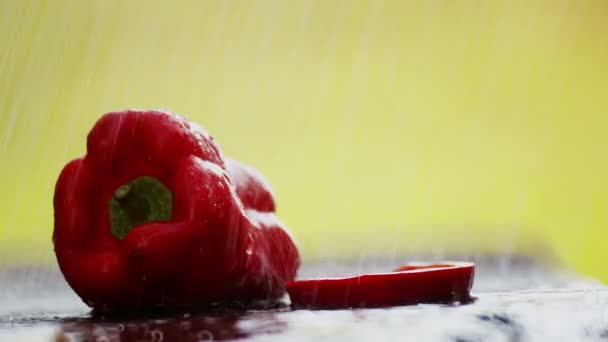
column 154, row 216
column 411, row 284
column 208, row 326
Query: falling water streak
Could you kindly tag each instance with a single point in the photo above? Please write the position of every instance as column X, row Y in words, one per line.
column 509, row 245
column 397, row 109
column 314, row 105
column 426, row 205
column 415, row 64
column 85, row 79
column 81, row 103
column 6, row 63
column 478, row 131
column 395, row 228
column 585, row 221
column 292, row 59
column 219, row 27
column 304, row 23
column 7, row 60
column 324, row 216
column 15, row 106
column 352, row 96
column 514, row 226
column 274, row 11
column 174, row 55
column 348, row 116
column 478, row 138
column 401, row 107
column 553, row 42
column 124, row 20
column 262, row 46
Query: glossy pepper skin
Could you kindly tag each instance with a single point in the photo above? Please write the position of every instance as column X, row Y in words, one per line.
column 221, row 242
column 410, row 284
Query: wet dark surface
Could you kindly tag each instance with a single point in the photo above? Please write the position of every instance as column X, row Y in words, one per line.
column 218, row 326
column 518, row 300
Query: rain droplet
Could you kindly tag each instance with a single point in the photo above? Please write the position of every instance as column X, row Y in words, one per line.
column 205, row 335
column 157, row 335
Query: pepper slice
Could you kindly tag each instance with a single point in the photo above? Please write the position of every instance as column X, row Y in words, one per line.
column 409, row 284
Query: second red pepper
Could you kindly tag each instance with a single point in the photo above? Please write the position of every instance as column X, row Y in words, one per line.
column 154, row 216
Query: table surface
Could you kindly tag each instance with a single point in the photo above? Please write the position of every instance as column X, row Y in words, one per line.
column 517, row 300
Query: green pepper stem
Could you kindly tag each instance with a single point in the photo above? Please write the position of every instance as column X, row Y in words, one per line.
column 142, row 200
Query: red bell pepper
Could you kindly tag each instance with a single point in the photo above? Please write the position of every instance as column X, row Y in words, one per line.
column 410, row 284
column 154, row 216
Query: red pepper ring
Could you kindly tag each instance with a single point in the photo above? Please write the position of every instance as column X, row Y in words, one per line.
column 409, row 284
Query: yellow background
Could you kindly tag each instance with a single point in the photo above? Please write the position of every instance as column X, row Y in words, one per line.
column 385, row 127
